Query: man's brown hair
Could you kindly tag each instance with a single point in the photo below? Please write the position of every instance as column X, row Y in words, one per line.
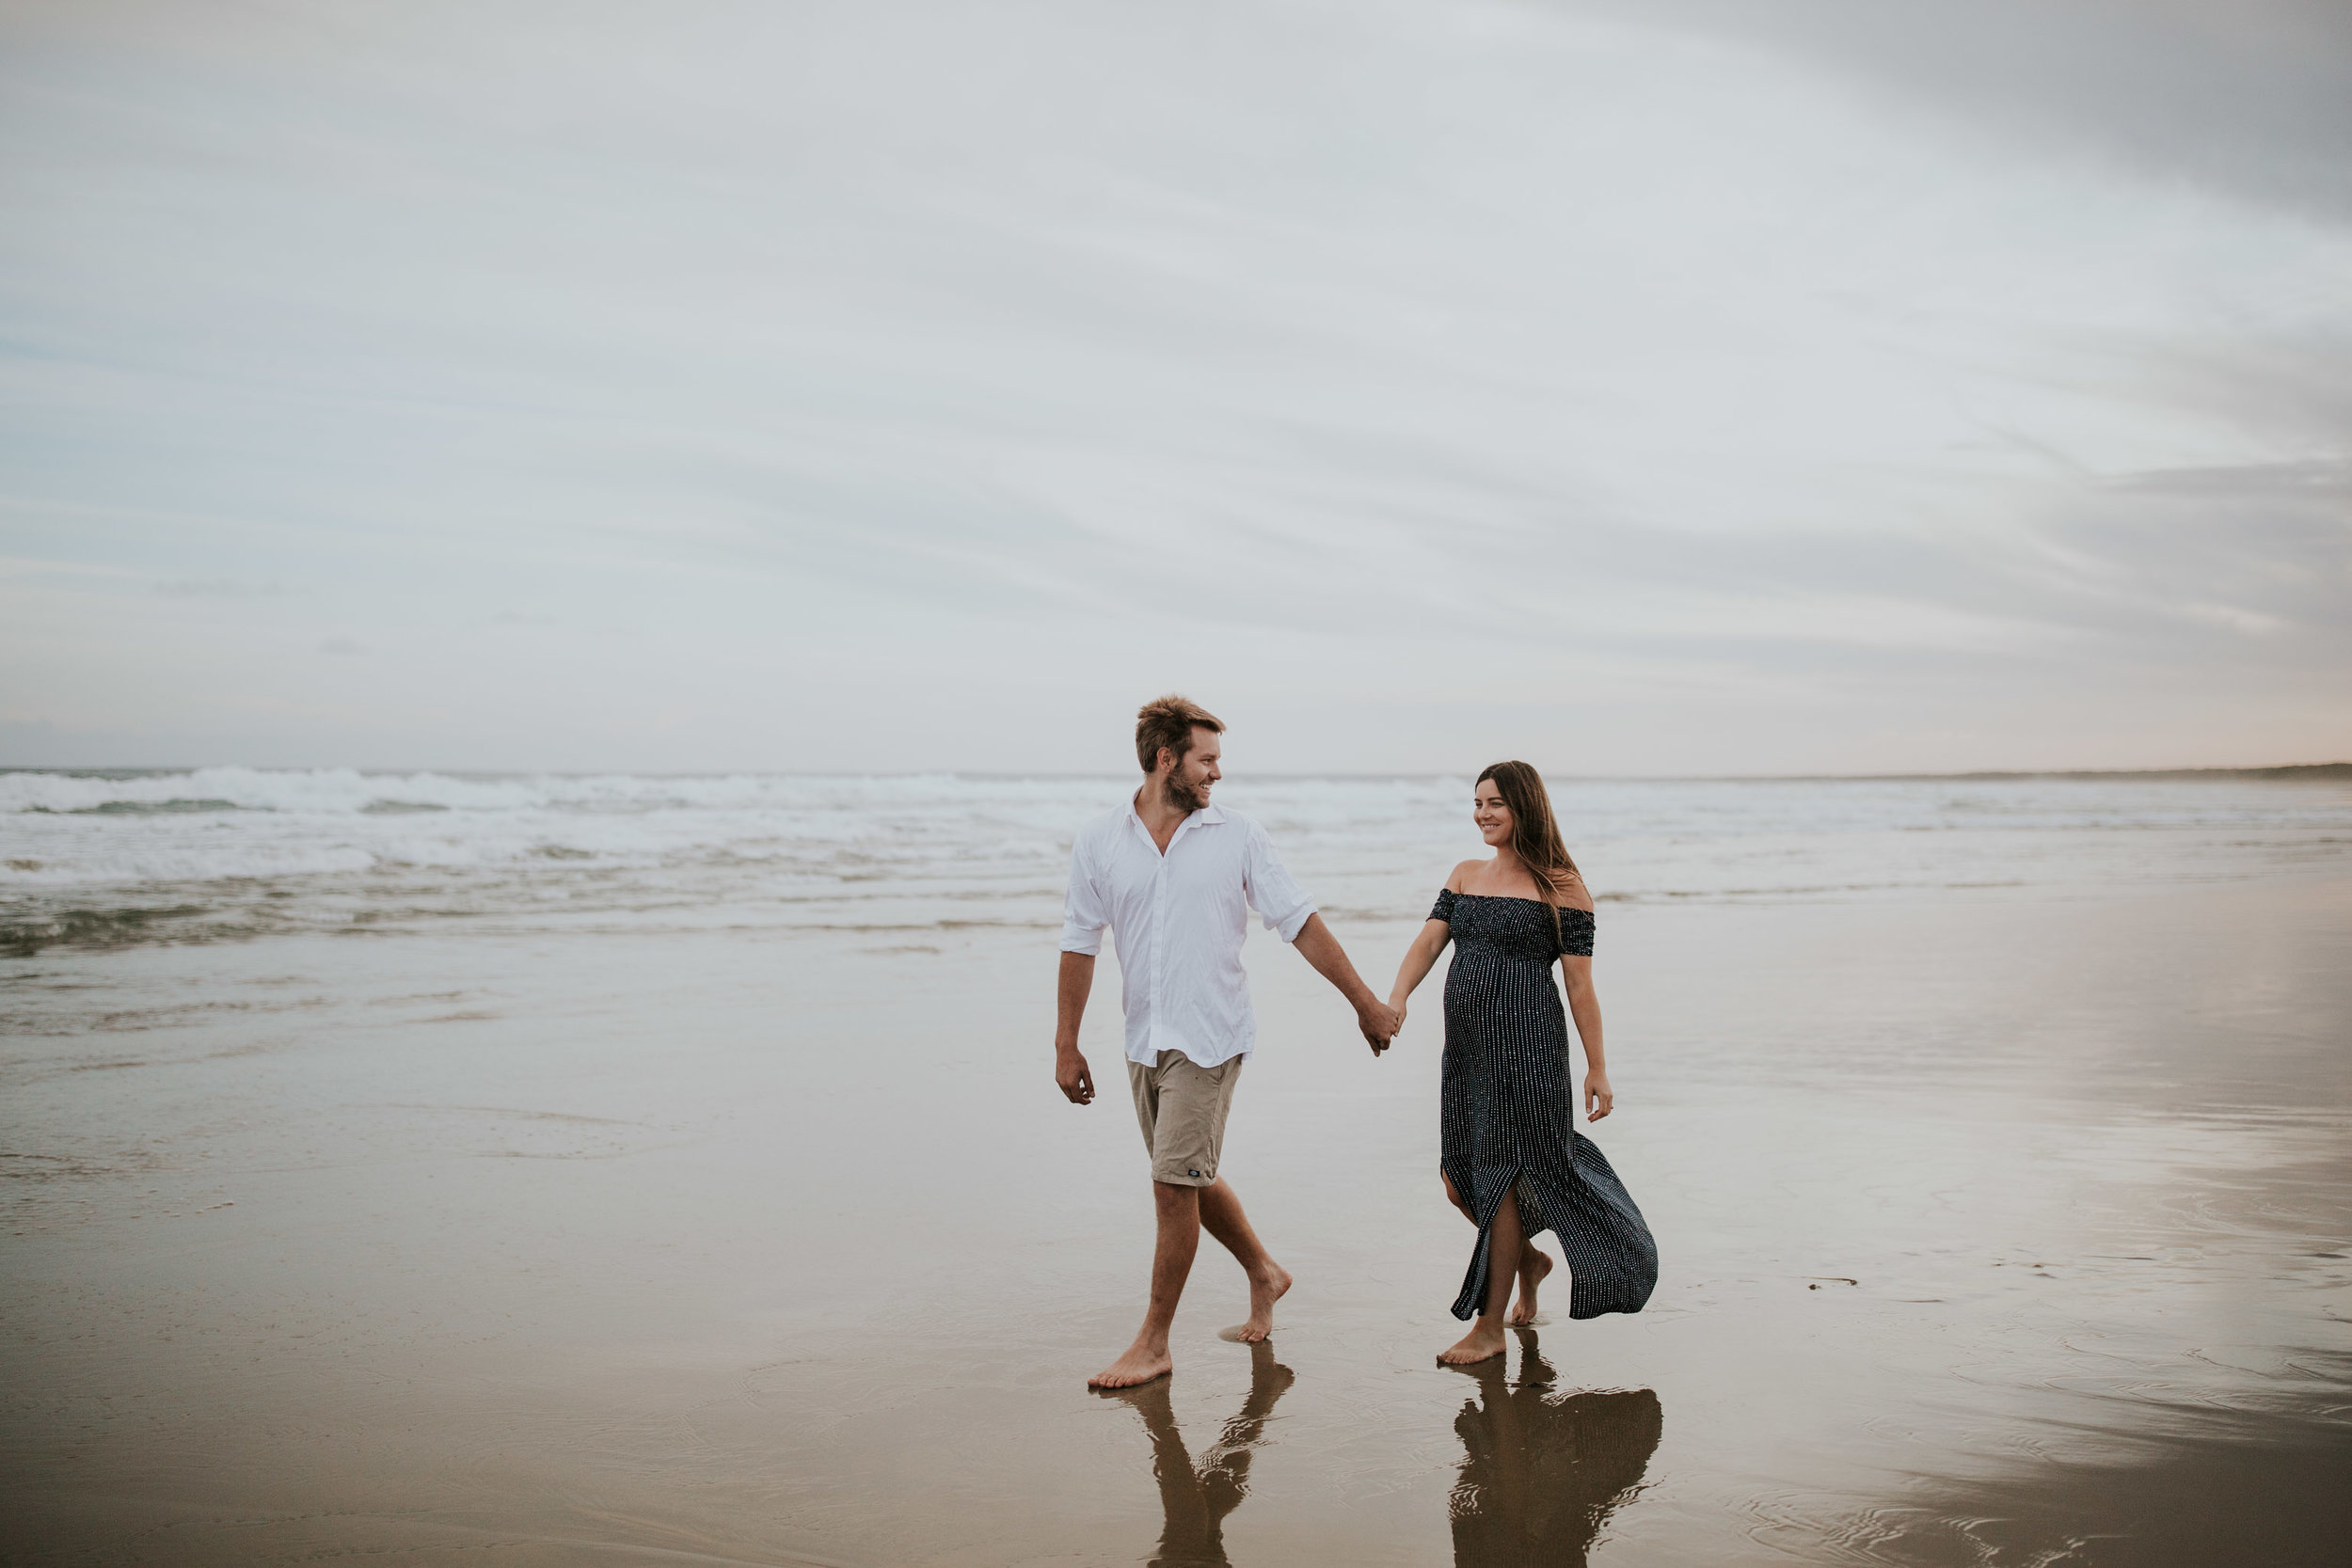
column 1169, row 721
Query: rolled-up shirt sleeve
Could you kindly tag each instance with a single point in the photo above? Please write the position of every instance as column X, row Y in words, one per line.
column 1281, row 902
column 1084, row 911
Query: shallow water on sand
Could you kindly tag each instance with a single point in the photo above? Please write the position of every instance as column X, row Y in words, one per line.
column 2008, row 1231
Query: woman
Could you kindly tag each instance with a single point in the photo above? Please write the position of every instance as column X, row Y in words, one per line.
column 1513, row 1161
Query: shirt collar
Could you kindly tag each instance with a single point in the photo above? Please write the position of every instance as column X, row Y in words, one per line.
column 1210, row 815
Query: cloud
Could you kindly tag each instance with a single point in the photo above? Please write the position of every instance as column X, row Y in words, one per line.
column 1732, row 393
column 217, row 588
column 2249, row 97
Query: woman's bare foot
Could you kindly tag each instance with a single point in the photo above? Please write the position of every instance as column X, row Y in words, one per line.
column 1141, row 1365
column 1535, row 1262
column 1482, row 1343
column 1265, row 1290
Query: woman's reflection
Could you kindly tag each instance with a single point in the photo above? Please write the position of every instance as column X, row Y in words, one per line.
column 1197, row 1498
column 1541, row 1473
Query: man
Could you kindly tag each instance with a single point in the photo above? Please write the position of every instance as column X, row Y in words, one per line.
column 1172, row 876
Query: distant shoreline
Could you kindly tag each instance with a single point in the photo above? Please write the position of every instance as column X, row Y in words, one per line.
column 2291, row 772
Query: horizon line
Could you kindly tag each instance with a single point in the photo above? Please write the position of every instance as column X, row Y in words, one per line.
column 2279, row 772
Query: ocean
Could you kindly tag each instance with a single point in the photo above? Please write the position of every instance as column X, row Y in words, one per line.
column 123, row 858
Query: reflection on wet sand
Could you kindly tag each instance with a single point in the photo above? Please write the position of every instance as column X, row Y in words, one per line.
column 1195, row 1498
column 1541, row 1472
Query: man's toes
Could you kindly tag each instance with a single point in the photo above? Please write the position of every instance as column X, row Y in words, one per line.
column 1120, row 1375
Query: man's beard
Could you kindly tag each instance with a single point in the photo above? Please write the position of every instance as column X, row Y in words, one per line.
column 1187, row 795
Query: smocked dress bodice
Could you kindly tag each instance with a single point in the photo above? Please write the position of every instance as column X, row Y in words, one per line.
column 1520, row 928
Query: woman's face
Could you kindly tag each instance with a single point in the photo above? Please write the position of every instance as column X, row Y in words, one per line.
column 1492, row 817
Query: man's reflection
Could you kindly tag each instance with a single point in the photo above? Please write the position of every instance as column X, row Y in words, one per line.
column 1541, row 1473
column 1197, row 1498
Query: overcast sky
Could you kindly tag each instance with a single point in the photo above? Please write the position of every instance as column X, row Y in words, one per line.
column 1682, row 386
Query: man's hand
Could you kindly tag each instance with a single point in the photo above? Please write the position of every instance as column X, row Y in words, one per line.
column 1379, row 1024
column 1070, row 1002
column 1069, row 1072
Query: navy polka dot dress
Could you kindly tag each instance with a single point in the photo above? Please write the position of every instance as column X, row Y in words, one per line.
column 1509, row 1105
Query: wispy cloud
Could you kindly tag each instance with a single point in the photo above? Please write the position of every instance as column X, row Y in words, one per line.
column 1724, row 388
column 2252, row 97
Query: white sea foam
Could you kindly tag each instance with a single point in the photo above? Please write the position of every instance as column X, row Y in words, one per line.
column 241, row 850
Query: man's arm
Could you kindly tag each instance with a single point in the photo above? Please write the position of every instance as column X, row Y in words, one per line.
column 1319, row 947
column 1070, row 1067
column 1280, row 902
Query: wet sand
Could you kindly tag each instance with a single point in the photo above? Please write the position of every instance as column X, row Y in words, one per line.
column 1994, row 1230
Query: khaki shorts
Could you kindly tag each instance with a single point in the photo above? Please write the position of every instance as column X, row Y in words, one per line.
column 1181, row 1106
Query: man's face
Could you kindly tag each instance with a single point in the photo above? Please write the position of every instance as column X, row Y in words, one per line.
column 1189, row 782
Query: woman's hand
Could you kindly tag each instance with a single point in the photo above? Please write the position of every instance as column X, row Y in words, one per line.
column 1396, row 1006
column 1597, row 1099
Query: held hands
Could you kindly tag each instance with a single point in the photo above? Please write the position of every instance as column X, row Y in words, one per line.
column 1379, row 1024
column 1396, row 1014
column 1070, row 1074
column 1597, row 1099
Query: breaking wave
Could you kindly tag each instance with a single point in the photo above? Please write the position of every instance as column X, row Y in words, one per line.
column 119, row 859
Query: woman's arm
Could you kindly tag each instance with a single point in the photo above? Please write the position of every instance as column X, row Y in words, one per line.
column 1585, row 1007
column 1434, row 934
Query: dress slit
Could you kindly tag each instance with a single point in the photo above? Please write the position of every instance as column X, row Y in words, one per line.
column 1481, row 1257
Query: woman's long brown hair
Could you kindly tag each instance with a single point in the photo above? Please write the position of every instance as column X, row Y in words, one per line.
column 1535, row 832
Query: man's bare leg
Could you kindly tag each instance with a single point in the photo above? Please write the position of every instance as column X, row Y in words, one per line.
column 1221, row 1216
column 1484, row 1338
column 1179, row 1214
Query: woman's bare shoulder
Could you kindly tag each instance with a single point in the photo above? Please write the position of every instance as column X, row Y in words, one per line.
column 1575, row 894
column 1461, row 875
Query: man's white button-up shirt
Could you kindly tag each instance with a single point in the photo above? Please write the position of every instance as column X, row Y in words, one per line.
column 1179, row 919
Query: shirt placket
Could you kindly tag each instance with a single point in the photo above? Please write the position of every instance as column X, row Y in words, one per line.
column 1160, row 926
column 1159, row 948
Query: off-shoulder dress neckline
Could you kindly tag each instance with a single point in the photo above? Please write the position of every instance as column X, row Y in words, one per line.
column 1515, row 898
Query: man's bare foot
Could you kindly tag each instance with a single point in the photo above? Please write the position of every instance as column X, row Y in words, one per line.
column 1265, row 1290
column 1138, row 1367
column 1535, row 1262
column 1479, row 1344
